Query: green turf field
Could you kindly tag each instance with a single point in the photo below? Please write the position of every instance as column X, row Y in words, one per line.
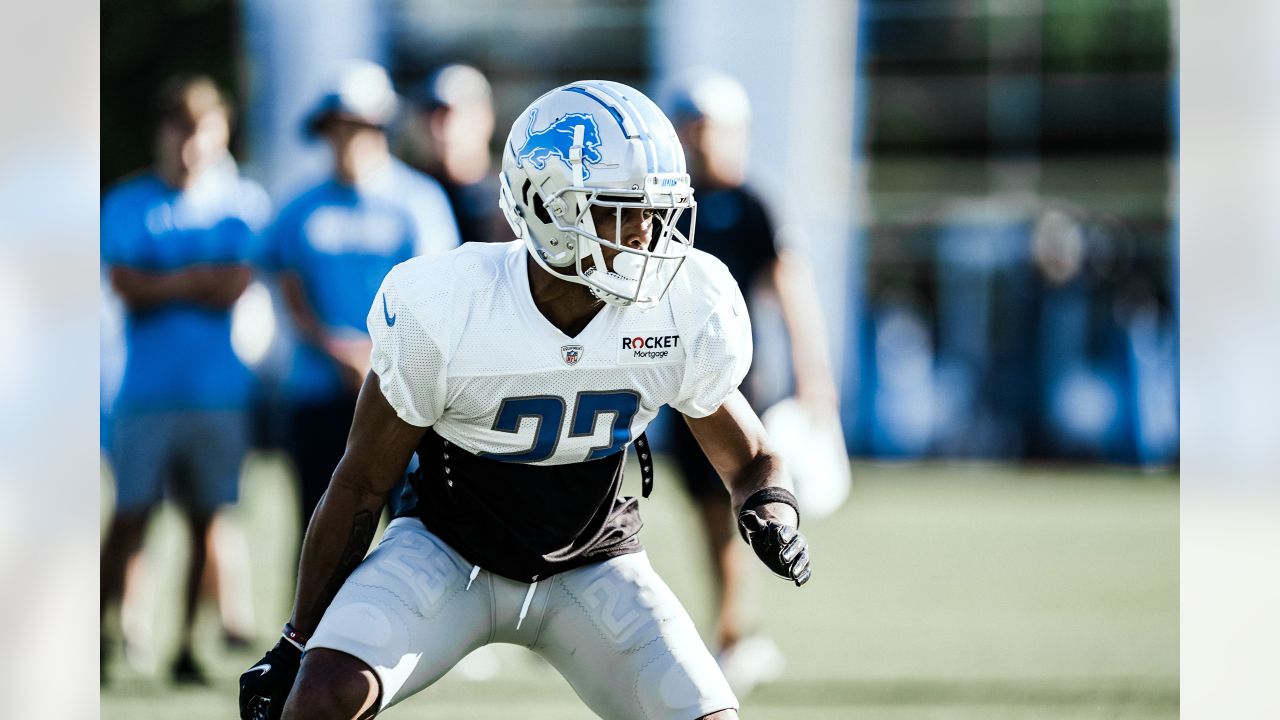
column 956, row 592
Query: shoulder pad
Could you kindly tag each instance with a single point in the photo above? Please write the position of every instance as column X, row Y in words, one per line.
column 436, row 287
column 701, row 285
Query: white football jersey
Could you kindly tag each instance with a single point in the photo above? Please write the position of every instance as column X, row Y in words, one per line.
column 459, row 345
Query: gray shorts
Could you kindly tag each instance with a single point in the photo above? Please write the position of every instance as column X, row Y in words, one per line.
column 612, row 629
column 194, row 454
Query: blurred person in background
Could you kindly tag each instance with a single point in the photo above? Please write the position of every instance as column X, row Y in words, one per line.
column 454, row 121
column 712, row 114
column 1106, row 382
column 177, row 242
column 332, row 245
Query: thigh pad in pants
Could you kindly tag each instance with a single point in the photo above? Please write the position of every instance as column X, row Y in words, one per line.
column 627, row 646
column 406, row 611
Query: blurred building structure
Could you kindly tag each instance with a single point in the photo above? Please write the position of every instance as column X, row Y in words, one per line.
column 984, row 188
column 1021, row 244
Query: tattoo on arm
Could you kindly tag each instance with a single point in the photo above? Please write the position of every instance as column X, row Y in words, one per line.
column 362, row 528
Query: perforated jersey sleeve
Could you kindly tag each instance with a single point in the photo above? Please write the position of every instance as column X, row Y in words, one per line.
column 409, row 361
column 718, row 354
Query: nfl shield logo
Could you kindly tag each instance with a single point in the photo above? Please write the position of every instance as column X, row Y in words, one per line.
column 571, row 354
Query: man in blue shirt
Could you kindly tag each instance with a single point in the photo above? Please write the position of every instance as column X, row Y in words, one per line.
column 333, row 245
column 176, row 242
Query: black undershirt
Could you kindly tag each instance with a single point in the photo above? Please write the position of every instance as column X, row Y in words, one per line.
column 523, row 522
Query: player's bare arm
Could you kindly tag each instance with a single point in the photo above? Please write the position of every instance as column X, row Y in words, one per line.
column 734, row 441
column 216, row 286
column 342, row 528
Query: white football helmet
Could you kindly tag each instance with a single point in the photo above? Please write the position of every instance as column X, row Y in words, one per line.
column 597, row 143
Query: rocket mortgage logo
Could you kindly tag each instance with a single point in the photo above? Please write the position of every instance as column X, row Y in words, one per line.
column 651, row 348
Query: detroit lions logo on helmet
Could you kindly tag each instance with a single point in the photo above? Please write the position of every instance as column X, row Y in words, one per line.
column 557, row 138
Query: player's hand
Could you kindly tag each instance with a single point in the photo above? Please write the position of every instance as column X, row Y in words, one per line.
column 265, row 686
column 779, row 546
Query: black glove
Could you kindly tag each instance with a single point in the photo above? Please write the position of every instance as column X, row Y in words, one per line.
column 265, row 686
column 781, row 547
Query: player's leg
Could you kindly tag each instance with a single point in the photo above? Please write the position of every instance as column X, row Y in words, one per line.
column 622, row 640
column 407, row 615
column 332, row 685
column 123, row 541
column 137, row 613
column 139, row 459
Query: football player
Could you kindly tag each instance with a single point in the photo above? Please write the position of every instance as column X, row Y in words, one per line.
column 520, row 373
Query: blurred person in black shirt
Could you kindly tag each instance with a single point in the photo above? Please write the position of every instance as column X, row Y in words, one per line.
column 178, row 243
column 455, row 126
column 712, row 112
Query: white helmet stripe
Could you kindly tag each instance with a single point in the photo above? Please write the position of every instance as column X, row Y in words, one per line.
column 646, row 135
column 659, row 128
column 628, row 128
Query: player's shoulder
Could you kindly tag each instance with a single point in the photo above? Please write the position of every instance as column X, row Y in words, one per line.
column 703, row 279
column 704, row 266
column 441, row 290
column 703, row 286
column 463, row 270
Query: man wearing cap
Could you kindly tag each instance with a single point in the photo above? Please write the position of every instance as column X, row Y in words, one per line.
column 712, row 113
column 332, row 245
column 454, row 127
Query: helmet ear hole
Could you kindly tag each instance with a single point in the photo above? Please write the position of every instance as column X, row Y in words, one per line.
column 540, row 210
column 535, row 202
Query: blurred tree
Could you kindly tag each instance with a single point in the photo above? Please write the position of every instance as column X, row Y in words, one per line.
column 144, row 42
